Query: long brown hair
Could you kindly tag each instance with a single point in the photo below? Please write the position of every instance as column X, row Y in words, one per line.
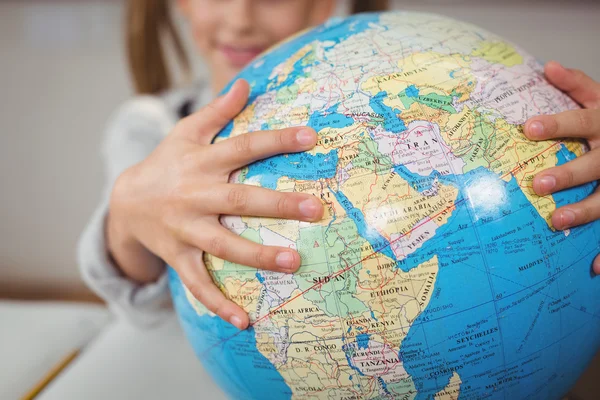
column 150, row 28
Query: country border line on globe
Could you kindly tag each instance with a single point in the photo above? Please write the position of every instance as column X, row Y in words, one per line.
column 464, row 310
column 346, row 269
column 428, row 219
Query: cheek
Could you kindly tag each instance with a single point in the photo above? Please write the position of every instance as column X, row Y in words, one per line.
column 202, row 26
column 201, row 41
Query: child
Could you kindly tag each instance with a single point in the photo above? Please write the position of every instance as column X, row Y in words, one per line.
column 167, row 185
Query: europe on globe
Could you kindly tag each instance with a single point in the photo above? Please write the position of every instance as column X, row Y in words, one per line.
column 435, row 272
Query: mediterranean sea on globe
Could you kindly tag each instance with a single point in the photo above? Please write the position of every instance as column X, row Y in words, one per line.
column 435, row 273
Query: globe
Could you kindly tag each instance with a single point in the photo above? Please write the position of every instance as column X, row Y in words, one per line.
column 435, row 272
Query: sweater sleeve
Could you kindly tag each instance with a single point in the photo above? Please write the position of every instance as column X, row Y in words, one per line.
column 132, row 134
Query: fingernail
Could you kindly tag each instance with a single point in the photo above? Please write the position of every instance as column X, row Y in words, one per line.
column 536, row 129
column 559, row 65
column 308, row 208
column 305, row 137
column 547, row 183
column 596, row 266
column 227, row 94
column 567, row 217
column 285, row 260
column 236, row 321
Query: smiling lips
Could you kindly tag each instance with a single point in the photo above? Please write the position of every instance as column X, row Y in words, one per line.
column 239, row 56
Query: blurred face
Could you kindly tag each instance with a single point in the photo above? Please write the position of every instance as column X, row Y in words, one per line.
column 230, row 33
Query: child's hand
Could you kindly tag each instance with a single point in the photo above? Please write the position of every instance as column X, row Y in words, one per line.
column 575, row 124
column 170, row 203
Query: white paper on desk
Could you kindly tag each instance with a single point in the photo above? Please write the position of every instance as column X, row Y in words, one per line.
column 35, row 336
column 129, row 363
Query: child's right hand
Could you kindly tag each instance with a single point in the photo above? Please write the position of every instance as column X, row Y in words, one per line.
column 168, row 205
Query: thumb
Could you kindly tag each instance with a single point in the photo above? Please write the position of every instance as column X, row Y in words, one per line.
column 202, row 126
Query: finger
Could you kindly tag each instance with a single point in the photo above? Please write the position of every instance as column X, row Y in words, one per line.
column 596, row 265
column 239, row 199
column 221, row 243
column 567, row 124
column 202, row 126
column 581, row 170
column 575, row 83
column 244, row 149
column 189, row 265
column 579, row 213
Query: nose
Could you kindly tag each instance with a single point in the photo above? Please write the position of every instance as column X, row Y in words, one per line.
column 240, row 15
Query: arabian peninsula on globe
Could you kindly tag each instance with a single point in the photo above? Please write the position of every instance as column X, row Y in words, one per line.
column 435, row 273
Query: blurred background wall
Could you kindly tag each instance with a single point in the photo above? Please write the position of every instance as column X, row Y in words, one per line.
column 62, row 73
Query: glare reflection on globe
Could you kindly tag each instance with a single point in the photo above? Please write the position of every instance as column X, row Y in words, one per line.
column 487, row 195
column 435, row 272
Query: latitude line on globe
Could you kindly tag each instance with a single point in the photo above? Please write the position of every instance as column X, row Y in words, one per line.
column 338, row 273
column 346, row 269
column 524, row 288
column 435, row 319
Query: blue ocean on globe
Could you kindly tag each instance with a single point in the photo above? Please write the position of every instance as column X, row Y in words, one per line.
column 435, row 272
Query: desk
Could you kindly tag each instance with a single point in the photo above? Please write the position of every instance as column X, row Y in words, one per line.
column 36, row 336
column 124, row 362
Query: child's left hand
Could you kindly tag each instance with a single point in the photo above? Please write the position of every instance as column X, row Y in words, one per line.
column 583, row 124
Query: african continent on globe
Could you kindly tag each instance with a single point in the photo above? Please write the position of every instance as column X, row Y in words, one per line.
column 435, row 273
